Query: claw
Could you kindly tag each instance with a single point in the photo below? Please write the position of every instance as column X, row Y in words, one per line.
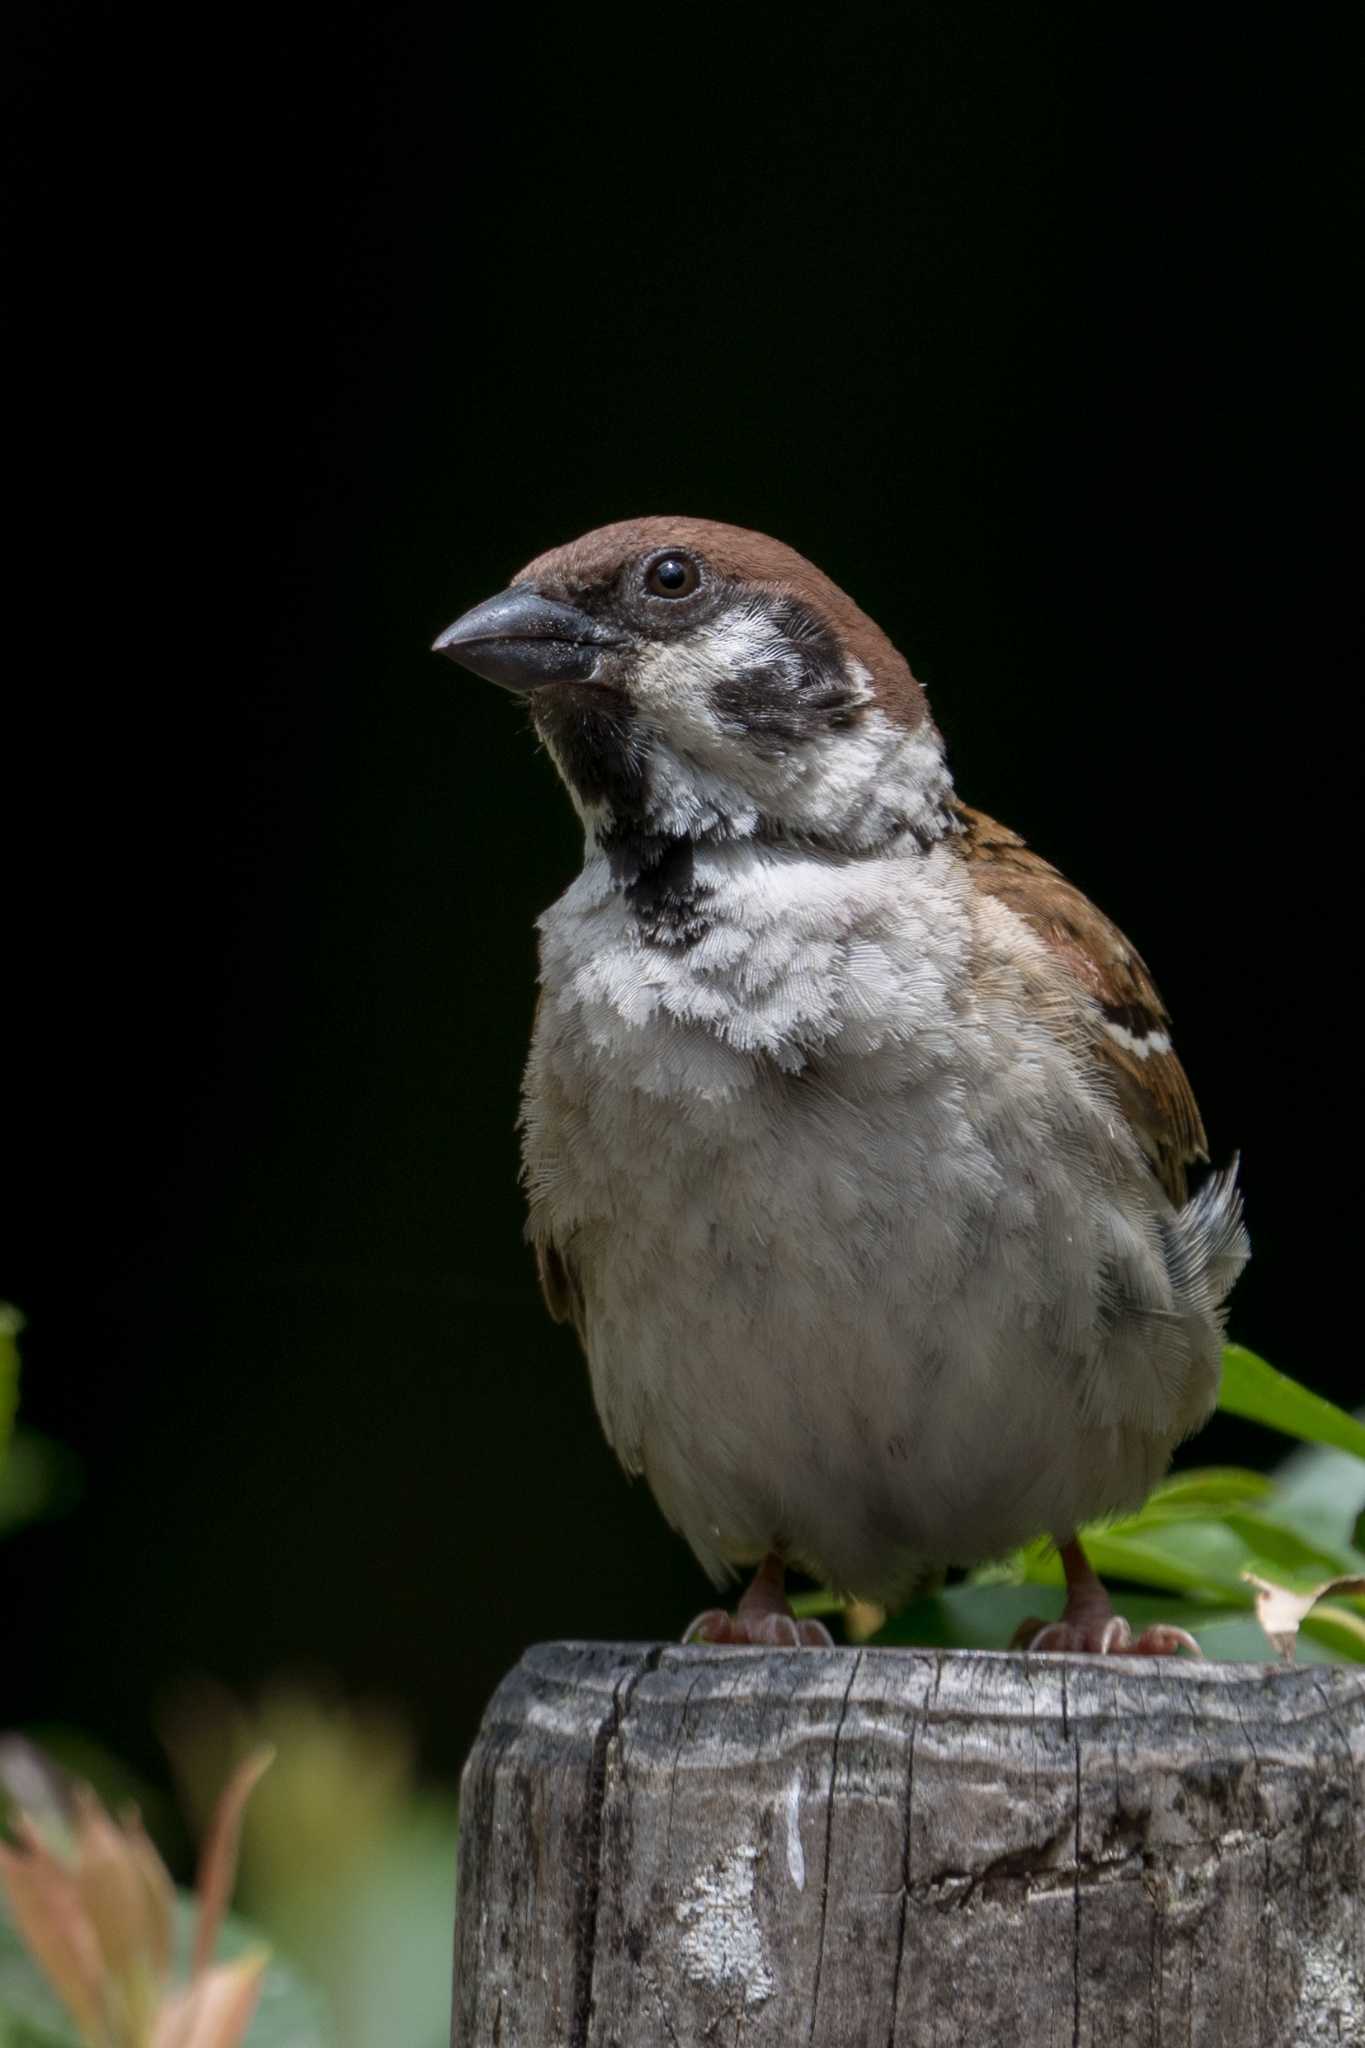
column 1162, row 1639
column 814, row 1635
column 763, row 1618
column 712, row 1625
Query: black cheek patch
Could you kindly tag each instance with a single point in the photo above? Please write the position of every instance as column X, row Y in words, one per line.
column 772, row 703
column 592, row 730
column 799, row 694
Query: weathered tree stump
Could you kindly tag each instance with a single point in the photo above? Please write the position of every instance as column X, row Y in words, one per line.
column 911, row 1849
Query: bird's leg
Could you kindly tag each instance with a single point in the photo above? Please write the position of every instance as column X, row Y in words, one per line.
column 1089, row 1624
column 763, row 1616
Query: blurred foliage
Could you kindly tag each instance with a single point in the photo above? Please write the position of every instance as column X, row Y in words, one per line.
column 345, row 1862
column 97, row 1950
column 38, row 1479
column 346, row 1868
column 11, row 1323
column 289, row 2013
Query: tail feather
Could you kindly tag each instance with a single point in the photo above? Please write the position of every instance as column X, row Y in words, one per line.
column 1206, row 1242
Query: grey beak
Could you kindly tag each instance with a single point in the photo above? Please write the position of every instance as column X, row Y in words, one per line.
column 521, row 640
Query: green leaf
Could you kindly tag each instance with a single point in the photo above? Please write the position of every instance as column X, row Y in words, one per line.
column 1253, row 1389
column 966, row 1617
column 1338, row 1628
column 1209, row 1486
column 1210, row 1556
column 1239, row 1639
column 1204, row 1557
column 1200, row 1555
column 1321, row 1493
column 1297, row 1558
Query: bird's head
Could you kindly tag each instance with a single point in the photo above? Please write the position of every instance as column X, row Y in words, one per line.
column 692, row 679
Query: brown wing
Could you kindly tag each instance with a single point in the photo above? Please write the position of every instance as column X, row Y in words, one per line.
column 1133, row 1041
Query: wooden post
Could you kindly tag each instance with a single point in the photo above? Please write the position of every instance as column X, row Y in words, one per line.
column 911, row 1849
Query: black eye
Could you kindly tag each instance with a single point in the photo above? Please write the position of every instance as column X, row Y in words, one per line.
column 672, row 576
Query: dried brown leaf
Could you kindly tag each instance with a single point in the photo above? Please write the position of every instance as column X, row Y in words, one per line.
column 51, row 1918
column 218, row 1863
column 158, row 1891
column 1281, row 1611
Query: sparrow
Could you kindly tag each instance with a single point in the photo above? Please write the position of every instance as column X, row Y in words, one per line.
column 855, row 1144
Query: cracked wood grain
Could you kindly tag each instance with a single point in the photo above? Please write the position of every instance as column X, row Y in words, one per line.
column 911, row 1848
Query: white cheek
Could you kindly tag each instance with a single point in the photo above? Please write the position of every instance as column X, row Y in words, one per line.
column 704, row 777
column 701, row 780
column 674, row 681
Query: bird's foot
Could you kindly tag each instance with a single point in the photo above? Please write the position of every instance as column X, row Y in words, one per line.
column 1089, row 1627
column 1111, row 1637
column 763, row 1617
column 772, row 1631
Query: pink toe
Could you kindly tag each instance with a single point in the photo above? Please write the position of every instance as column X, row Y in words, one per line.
column 773, row 1631
column 1053, row 1635
column 713, row 1625
column 1161, row 1640
column 1114, row 1638
column 815, row 1635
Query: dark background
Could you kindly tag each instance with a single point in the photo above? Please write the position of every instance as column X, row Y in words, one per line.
column 1036, row 331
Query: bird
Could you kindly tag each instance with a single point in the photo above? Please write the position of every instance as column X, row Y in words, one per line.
column 855, row 1145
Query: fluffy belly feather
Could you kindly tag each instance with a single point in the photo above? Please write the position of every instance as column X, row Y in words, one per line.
column 799, row 1355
